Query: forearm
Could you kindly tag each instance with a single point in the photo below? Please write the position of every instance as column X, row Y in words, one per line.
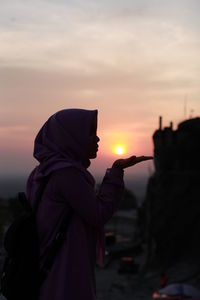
column 110, row 192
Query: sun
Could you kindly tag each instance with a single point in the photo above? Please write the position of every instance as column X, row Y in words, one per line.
column 119, row 149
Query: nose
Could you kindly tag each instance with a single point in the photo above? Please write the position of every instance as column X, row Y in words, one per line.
column 98, row 139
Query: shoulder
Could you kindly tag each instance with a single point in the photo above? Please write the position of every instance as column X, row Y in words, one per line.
column 68, row 181
column 65, row 180
column 68, row 173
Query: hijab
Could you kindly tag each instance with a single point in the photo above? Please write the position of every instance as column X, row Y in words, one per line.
column 63, row 142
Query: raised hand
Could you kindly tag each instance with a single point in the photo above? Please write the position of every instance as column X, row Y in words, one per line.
column 129, row 162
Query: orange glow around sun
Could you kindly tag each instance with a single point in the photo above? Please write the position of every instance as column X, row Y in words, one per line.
column 119, row 149
column 118, row 143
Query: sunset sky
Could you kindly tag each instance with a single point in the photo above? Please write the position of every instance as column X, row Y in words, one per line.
column 133, row 60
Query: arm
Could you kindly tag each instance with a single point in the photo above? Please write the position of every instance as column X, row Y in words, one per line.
column 96, row 210
column 111, row 192
column 73, row 188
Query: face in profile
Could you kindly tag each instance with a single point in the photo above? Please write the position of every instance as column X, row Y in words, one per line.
column 93, row 141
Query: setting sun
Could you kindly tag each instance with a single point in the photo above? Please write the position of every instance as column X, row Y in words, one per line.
column 119, row 149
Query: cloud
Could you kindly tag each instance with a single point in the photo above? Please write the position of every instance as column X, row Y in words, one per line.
column 65, row 34
column 131, row 59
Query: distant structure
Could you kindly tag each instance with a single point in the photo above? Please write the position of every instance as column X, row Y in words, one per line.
column 177, row 149
column 171, row 205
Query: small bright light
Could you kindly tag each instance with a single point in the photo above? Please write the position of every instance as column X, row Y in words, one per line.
column 119, row 150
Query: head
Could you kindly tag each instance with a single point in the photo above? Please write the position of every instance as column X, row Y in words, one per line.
column 93, row 140
column 69, row 134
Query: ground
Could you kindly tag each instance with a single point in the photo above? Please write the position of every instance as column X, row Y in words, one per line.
column 114, row 286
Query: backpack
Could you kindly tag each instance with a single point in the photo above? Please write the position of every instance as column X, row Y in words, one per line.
column 21, row 276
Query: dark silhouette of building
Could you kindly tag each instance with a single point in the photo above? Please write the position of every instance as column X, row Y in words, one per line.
column 172, row 202
column 177, row 149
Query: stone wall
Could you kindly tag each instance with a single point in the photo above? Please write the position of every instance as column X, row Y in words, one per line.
column 171, row 210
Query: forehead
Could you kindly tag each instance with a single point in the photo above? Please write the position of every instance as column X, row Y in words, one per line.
column 94, row 126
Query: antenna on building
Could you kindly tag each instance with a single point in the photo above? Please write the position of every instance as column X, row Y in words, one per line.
column 191, row 113
column 185, row 107
column 160, row 122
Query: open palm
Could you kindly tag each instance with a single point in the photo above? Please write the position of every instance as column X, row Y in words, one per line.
column 129, row 162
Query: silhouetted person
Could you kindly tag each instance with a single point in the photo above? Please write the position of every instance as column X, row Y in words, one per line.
column 64, row 146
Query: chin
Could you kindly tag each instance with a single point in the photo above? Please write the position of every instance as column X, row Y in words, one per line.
column 93, row 155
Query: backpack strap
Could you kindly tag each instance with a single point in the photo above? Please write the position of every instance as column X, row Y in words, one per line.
column 55, row 246
column 60, row 236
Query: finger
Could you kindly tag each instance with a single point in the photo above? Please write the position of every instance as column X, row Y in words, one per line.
column 143, row 158
column 130, row 161
column 133, row 160
column 131, row 157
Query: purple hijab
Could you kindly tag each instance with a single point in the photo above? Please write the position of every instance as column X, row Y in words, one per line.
column 63, row 142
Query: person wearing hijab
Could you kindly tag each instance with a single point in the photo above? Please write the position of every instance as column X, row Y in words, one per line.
column 64, row 146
